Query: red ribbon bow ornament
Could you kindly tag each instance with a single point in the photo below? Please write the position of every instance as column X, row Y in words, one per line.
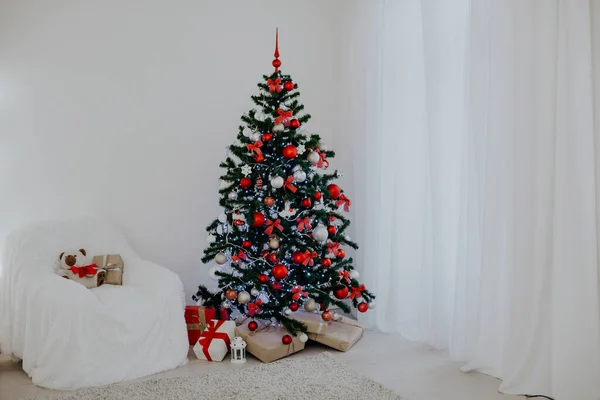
column 209, row 334
column 240, row 256
column 84, row 270
column 308, row 258
column 288, row 184
column 343, row 200
column 284, row 117
column 356, row 291
column 255, row 147
column 274, row 85
column 297, row 292
column 303, row 223
column 332, row 247
column 345, row 275
column 272, row 225
column 322, row 161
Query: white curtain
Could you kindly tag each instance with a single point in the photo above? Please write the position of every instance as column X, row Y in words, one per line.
column 475, row 165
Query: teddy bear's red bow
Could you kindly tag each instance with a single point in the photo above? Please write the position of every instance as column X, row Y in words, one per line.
column 84, row 270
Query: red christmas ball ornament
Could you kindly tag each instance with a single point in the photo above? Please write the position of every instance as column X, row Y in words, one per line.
column 286, row 339
column 341, row 292
column 276, row 63
column 273, row 258
column 246, row 244
column 246, row 183
column 331, row 229
column 326, row 262
column 363, row 307
column 334, row 191
column 269, row 201
column 293, row 306
column 305, row 203
column 298, row 257
column 317, row 196
column 258, row 220
column 288, row 85
column 326, row 316
column 290, row 151
column 279, row 271
column 276, row 286
column 252, row 325
column 295, row 124
column 259, row 158
column 231, row 294
column 267, row 136
column 262, row 278
column 341, row 254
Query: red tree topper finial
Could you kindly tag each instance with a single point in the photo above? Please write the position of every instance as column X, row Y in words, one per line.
column 276, row 62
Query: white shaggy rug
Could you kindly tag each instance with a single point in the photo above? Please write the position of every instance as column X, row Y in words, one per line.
column 317, row 377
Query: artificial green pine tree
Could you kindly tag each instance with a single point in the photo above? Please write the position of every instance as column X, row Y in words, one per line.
column 279, row 242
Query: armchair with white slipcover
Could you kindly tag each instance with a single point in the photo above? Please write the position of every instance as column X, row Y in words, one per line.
column 69, row 336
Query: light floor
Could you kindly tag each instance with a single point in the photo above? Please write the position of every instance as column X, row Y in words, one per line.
column 412, row 370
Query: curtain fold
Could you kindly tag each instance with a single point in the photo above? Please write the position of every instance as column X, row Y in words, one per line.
column 476, row 180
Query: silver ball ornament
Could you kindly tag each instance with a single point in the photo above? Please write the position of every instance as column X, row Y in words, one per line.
column 254, row 292
column 300, row 176
column 232, row 195
column 354, row 274
column 310, row 305
column 277, row 182
column 243, row 297
column 220, row 258
column 371, row 304
column 313, row 157
column 320, row 233
column 303, row 337
column 287, row 311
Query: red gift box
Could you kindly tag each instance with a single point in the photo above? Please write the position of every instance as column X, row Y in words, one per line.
column 196, row 317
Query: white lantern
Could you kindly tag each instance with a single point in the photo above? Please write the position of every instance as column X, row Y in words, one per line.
column 238, row 350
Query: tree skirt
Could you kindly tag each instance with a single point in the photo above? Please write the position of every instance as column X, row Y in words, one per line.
column 317, row 377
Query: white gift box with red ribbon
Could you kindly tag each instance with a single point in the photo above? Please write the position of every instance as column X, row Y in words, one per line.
column 215, row 340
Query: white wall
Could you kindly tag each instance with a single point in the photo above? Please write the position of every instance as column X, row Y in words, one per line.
column 124, row 108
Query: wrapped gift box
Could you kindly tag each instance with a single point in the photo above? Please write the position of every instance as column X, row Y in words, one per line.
column 340, row 335
column 113, row 265
column 265, row 343
column 196, row 317
column 215, row 340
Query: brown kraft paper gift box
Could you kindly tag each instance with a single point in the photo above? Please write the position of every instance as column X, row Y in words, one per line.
column 113, row 264
column 265, row 343
column 340, row 335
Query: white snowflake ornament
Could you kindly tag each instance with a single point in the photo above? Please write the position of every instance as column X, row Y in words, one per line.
column 301, row 149
column 246, row 170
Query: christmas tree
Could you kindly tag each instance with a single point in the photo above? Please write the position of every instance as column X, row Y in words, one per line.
column 280, row 241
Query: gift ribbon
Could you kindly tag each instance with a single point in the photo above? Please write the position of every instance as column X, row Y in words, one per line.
column 345, row 275
column 303, row 223
column 272, row 225
column 284, row 116
column 288, row 184
column 343, row 200
column 200, row 324
column 332, row 247
column 255, row 147
column 308, row 258
column 356, row 291
column 274, row 85
column 322, row 161
column 297, row 292
column 84, row 270
column 211, row 333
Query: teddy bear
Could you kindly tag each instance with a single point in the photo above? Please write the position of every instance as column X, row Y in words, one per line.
column 75, row 265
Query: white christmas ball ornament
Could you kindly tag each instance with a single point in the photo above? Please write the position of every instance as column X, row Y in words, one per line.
column 222, row 218
column 243, row 297
column 313, row 157
column 300, row 176
column 303, row 337
column 372, row 304
column 232, row 196
column 277, row 182
column 255, row 136
column 254, row 291
column 211, row 273
column 320, row 233
column 220, row 258
column 287, row 311
column 278, row 128
column 354, row 274
column 310, row 305
column 336, row 316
